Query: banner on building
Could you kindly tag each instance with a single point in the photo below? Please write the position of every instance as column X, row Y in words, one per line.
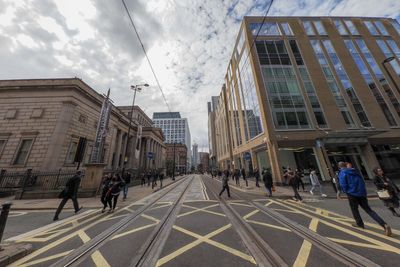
column 138, row 141
column 101, row 133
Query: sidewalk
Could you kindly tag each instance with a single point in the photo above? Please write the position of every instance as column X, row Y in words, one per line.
column 135, row 193
column 287, row 191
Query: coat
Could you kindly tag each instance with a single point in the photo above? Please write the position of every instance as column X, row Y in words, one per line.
column 314, row 178
column 225, row 180
column 391, row 187
column 267, row 178
column 72, row 186
column 352, row 183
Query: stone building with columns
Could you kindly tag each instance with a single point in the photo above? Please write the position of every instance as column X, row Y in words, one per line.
column 307, row 92
column 41, row 121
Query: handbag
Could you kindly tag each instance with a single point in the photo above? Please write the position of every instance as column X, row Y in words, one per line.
column 384, row 194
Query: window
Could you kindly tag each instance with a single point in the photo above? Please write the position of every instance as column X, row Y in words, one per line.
column 267, row 28
column 340, row 27
column 396, row 26
column 380, row 27
column 286, row 28
column 371, row 28
column 23, row 151
column 71, row 152
column 308, row 28
column 388, row 53
column 320, row 28
column 351, row 27
column 2, row 145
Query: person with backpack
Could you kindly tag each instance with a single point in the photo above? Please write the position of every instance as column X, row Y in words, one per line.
column 70, row 192
column 352, row 183
column 267, row 178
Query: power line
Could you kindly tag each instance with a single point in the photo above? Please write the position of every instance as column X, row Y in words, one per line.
column 145, row 53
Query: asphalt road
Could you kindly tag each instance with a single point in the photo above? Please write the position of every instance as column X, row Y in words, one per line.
column 200, row 233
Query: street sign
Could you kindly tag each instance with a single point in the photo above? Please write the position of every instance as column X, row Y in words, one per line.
column 150, row 155
column 247, row 156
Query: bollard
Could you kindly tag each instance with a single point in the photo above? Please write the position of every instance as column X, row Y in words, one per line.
column 3, row 219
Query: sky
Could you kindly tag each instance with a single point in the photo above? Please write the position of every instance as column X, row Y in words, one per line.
column 189, row 43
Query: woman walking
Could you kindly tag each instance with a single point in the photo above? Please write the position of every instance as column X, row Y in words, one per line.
column 113, row 192
column 294, row 183
column 104, row 191
column 382, row 182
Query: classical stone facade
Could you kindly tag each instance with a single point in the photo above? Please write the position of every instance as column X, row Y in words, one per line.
column 41, row 121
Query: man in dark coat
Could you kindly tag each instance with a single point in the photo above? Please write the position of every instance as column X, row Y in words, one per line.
column 267, row 178
column 225, row 184
column 70, row 192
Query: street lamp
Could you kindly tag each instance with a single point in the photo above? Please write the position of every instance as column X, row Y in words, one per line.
column 135, row 88
column 386, row 60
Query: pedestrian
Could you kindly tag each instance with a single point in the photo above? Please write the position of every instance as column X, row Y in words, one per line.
column 127, row 181
column 315, row 183
column 382, row 182
column 142, row 179
column 353, row 185
column 293, row 180
column 154, row 177
column 148, row 176
column 267, row 178
column 219, row 173
column 105, row 187
column 70, row 192
column 113, row 192
column 285, row 175
column 244, row 177
column 161, row 176
column 225, row 184
column 236, row 175
column 299, row 175
column 257, row 176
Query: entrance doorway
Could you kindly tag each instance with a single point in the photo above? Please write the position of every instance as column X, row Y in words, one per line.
column 349, row 154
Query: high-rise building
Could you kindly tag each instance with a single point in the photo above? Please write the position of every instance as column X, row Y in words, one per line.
column 175, row 129
column 195, row 155
column 212, row 146
column 307, row 92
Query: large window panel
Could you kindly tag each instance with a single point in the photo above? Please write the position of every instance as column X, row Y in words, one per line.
column 350, row 25
column 396, row 26
column 267, row 29
column 308, row 28
column 371, row 28
column 23, row 151
column 370, row 82
column 381, row 27
column 320, row 27
column 388, row 53
column 340, row 27
column 286, row 29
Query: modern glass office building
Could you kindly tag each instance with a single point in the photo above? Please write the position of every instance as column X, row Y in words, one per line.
column 307, row 92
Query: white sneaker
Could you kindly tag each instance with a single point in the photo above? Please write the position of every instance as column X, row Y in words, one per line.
column 311, row 192
column 323, row 195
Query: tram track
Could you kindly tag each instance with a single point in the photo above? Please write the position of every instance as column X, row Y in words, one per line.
column 333, row 249
column 78, row 255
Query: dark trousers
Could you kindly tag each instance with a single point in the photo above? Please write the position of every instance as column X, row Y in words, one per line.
column 237, row 180
column 300, row 183
column 227, row 189
column 244, row 178
column 112, row 199
column 63, row 202
column 363, row 203
column 104, row 201
column 257, row 180
column 269, row 189
column 296, row 193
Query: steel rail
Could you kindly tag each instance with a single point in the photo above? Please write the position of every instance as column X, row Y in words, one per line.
column 85, row 250
column 149, row 252
column 337, row 251
column 260, row 250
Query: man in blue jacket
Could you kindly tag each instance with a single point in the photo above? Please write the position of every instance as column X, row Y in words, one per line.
column 353, row 185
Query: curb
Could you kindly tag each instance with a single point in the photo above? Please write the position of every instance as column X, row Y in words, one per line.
column 13, row 252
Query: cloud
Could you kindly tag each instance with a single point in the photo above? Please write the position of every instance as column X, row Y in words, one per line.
column 189, row 43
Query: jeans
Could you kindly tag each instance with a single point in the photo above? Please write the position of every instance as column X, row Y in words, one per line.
column 126, row 186
column 63, row 202
column 223, row 189
column 354, row 202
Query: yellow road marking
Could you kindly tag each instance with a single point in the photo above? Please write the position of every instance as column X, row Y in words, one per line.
column 150, row 218
column 268, row 204
column 133, row 231
column 112, row 218
column 269, row 225
column 99, row 260
column 160, row 207
column 130, row 210
column 348, row 224
column 85, row 238
column 250, row 214
column 291, row 211
column 384, row 246
column 305, row 249
column 201, row 209
column 358, row 244
column 206, row 239
column 52, row 257
column 240, row 204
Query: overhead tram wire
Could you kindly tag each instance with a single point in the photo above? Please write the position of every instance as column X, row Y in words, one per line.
column 145, row 53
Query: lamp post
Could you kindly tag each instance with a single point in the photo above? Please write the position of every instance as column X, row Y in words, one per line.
column 387, row 60
column 173, row 169
column 134, row 88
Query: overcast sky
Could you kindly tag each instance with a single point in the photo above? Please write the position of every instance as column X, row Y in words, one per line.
column 188, row 41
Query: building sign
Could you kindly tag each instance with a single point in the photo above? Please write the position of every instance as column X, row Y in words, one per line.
column 98, row 147
column 138, row 141
column 247, row 156
column 150, row 155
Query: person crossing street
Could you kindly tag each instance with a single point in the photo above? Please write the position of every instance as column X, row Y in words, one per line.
column 267, row 178
column 225, row 184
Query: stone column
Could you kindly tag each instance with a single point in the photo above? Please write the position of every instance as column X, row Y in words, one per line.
column 59, row 136
column 368, row 155
column 273, row 156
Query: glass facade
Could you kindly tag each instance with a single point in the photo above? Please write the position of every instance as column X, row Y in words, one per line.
column 371, row 28
column 340, row 27
column 351, row 27
column 378, row 73
column 370, row 82
column 308, row 85
column 283, row 91
column 251, row 111
column 233, row 111
column 267, row 29
column 320, row 28
column 332, row 84
column 308, row 28
column 389, row 159
column 286, row 28
column 345, row 81
column 381, row 27
column 396, row 25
